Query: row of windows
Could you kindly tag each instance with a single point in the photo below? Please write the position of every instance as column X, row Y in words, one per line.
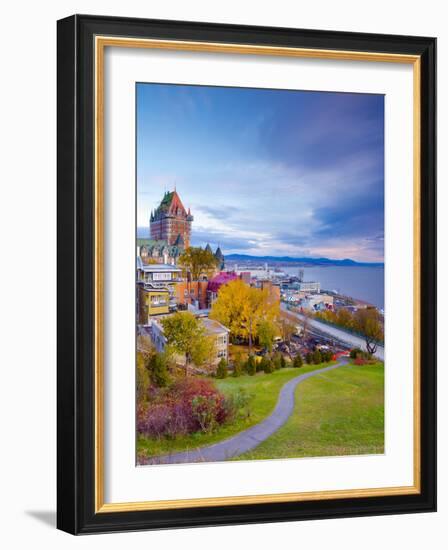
column 156, row 301
column 192, row 292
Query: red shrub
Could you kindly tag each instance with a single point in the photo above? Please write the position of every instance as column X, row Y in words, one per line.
column 360, row 361
column 189, row 405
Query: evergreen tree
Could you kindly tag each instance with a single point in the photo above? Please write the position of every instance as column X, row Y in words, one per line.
column 309, row 357
column 317, row 357
column 237, row 367
column 282, row 362
column 277, row 360
column 158, row 369
column 251, row 366
column 298, row 362
column 221, row 371
column 268, row 366
column 259, row 365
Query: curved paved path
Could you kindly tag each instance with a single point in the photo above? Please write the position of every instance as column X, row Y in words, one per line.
column 250, row 438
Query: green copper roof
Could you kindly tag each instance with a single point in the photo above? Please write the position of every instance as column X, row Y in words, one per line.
column 168, row 197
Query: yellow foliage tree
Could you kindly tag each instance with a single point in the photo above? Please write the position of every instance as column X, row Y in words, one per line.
column 242, row 308
column 186, row 335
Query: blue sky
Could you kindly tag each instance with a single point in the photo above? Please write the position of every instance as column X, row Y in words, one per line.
column 266, row 172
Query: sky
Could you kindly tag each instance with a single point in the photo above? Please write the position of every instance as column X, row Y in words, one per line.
column 266, row 172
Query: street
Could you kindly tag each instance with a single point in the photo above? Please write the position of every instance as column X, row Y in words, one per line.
column 335, row 333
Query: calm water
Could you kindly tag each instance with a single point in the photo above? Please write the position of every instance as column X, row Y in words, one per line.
column 364, row 283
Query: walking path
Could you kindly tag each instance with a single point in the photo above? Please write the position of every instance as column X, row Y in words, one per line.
column 250, row 438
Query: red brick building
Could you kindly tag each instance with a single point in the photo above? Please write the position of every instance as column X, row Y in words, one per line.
column 192, row 292
column 170, row 222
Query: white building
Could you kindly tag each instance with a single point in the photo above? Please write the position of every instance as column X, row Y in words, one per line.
column 308, row 286
column 158, row 274
column 317, row 301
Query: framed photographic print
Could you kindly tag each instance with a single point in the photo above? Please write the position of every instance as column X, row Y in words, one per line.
column 246, row 274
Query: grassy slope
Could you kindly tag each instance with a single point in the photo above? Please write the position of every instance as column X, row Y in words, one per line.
column 340, row 412
column 264, row 387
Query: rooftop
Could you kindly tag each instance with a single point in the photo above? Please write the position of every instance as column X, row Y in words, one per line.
column 160, row 268
column 212, row 326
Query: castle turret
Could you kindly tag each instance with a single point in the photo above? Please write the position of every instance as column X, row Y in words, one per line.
column 170, row 220
column 220, row 257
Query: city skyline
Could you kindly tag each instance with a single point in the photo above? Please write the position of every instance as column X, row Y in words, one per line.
column 266, row 172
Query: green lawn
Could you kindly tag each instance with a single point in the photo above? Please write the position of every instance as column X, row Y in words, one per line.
column 265, row 389
column 339, row 412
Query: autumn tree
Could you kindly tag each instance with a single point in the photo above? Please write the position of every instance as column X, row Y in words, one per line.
column 198, row 261
column 368, row 322
column 344, row 318
column 186, row 335
column 243, row 308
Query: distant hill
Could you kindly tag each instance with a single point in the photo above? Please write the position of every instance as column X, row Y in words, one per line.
column 299, row 261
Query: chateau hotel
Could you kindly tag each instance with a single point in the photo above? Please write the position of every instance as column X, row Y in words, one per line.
column 170, row 222
column 162, row 288
column 170, row 233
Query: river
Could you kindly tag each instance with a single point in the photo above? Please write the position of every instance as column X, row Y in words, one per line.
column 362, row 282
